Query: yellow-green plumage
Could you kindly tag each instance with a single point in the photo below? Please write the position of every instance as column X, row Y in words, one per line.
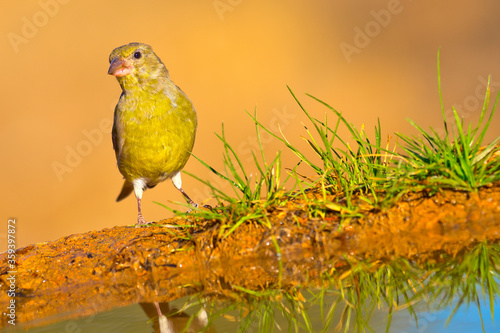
column 154, row 123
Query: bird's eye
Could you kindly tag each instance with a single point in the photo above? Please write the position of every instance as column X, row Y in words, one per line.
column 138, row 55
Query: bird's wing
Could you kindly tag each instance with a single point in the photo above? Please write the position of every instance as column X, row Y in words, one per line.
column 114, row 137
column 115, row 132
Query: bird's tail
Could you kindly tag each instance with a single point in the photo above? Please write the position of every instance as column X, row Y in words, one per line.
column 126, row 190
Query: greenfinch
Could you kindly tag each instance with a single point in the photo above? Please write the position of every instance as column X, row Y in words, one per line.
column 154, row 123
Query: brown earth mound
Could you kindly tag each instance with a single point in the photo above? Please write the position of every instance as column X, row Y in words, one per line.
column 83, row 274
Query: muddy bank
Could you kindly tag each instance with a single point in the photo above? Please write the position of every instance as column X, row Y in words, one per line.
column 86, row 273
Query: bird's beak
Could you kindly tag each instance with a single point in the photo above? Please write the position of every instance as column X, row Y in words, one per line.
column 119, row 68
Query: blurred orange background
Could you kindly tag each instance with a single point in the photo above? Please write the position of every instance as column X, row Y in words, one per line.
column 370, row 60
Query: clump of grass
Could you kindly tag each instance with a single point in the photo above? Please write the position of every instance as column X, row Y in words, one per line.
column 368, row 171
column 345, row 170
column 379, row 174
column 458, row 160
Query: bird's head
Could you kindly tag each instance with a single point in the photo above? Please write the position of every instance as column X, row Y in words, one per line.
column 136, row 64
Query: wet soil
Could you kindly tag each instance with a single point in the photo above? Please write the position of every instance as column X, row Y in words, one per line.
column 83, row 274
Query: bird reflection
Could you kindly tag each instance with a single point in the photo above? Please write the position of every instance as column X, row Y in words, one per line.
column 170, row 320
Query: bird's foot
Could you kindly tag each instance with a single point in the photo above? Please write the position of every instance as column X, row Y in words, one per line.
column 193, row 205
column 196, row 206
column 141, row 221
column 190, row 209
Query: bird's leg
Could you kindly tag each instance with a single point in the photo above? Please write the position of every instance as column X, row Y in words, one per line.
column 176, row 179
column 191, row 202
column 140, row 218
column 158, row 309
column 139, row 186
column 163, row 322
